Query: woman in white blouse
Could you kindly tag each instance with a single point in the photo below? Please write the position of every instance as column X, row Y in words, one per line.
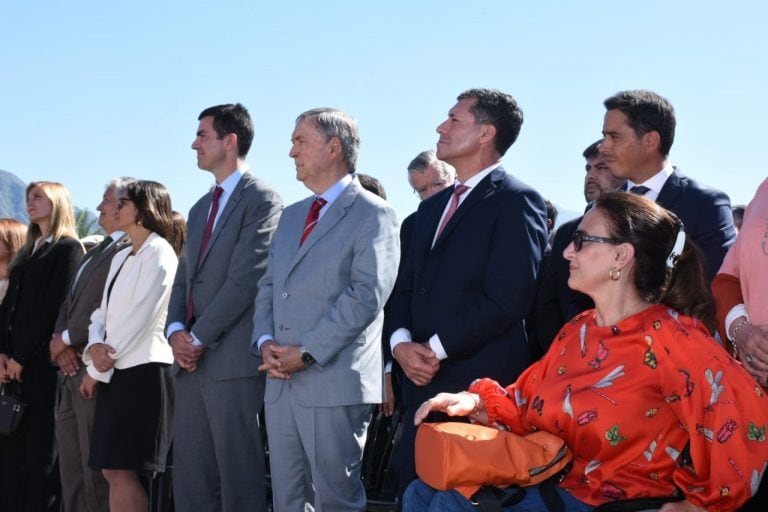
column 127, row 351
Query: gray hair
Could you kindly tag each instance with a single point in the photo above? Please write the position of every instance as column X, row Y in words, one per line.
column 426, row 159
column 120, row 184
column 335, row 123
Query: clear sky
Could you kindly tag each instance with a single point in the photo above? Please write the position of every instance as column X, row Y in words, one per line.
column 91, row 90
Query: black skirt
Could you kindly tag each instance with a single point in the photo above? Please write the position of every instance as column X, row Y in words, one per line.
column 131, row 426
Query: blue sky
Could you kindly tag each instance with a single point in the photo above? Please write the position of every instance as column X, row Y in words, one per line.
column 91, row 90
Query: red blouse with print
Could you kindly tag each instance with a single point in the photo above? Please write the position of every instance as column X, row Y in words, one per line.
column 629, row 398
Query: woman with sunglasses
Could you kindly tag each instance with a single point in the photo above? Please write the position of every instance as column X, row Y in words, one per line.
column 40, row 276
column 632, row 384
column 127, row 352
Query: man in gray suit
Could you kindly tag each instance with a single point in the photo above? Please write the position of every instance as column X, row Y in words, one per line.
column 218, row 455
column 317, row 325
column 82, row 488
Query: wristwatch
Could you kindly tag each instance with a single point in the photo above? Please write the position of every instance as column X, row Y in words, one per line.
column 306, row 357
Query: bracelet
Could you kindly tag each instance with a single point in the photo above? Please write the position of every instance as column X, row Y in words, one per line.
column 741, row 325
column 475, row 410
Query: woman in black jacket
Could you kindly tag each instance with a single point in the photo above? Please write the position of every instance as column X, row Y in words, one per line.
column 40, row 277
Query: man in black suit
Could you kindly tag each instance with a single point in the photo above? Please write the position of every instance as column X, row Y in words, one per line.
column 556, row 303
column 82, row 488
column 427, row 175
column 470, row 275
column 638, row 131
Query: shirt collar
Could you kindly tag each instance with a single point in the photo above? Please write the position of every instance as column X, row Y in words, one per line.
column 335, row 191
column 655, row 182
column 477, row 178
column 229, row 184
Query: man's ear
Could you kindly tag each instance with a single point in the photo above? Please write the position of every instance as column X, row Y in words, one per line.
column 487, row 133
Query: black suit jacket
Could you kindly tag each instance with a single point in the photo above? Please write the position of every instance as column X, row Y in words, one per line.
column 36, row 288
column 476, row 285
column 706, row 214
column 556, row 302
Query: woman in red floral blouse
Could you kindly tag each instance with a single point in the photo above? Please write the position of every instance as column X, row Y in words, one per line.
column 632, row 383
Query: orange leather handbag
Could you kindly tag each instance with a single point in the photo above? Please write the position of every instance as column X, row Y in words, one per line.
column 465, row 457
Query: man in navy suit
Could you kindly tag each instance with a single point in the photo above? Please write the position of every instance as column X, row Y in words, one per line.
column 469, row 278
column 638, row 131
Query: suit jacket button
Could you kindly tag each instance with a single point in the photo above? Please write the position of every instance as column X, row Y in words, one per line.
column 285, row 295
column 422, row 291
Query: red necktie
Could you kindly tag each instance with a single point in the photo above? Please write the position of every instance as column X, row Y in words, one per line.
column 457, row 193
column 312, row 218
column 204, row 244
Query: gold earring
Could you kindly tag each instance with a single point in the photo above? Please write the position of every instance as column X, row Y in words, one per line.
column 614, row 274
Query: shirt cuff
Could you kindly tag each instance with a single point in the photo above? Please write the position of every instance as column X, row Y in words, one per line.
column 195, row 340
column 100, row 376
column 388, row 367
column 263, row 339
column 175, row 326
column 65, row 337
column 437, row 347
column 401, row 335
column 736, row 311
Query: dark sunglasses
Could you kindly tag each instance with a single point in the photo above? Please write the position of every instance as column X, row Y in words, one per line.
column 579, row 237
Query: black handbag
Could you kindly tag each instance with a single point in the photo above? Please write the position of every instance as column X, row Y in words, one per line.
column 11, row 408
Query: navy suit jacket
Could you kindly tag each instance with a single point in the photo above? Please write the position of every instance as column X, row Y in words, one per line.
column 706, row 214
column 476, row 285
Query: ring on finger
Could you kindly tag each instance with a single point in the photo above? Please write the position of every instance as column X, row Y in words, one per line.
column 749, row 358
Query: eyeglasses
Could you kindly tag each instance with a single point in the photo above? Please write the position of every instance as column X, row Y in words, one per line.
column 579, row 237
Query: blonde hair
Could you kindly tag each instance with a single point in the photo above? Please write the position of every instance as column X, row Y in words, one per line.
column 62, row 221
column 12, row 234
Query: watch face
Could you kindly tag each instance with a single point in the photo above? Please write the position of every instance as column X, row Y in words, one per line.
column 306, row 358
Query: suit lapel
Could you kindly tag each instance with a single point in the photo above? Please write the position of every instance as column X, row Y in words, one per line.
column 671, row 189
column 482, row 190
column 229, row 207
column 330, row 218
column 93, row 261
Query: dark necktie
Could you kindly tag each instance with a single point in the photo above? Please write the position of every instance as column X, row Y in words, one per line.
column 203, row 245
column 457, row 193
column 312, row 217
column 640, row 190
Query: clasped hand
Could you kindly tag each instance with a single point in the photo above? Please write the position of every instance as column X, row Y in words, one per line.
column 418, row 361
column 280, row 361
column 185, row 352
column 101, row 358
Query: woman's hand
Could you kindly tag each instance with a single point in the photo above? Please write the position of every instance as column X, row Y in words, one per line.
column 100, row 355
column 88, row 387
column 752, row 341
column 4, row 369
column 13, row 370
column 452, row 404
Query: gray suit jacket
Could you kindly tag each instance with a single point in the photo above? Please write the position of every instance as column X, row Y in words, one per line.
column 85, row 296
column 225, row 280
column 328, row 295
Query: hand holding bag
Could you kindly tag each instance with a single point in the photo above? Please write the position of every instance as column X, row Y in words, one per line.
column 465, row 457
column 11, row 408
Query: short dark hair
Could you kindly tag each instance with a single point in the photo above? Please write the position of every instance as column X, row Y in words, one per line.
column 499, row 110
column 646, row 111
column 593, row 150
column 372, row 185
column 652, row 231
column 235, row 119
column 153, row 203
column 551, row 211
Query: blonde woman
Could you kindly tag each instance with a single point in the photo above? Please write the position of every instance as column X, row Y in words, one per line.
column 12, row 233
column 40, row 276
